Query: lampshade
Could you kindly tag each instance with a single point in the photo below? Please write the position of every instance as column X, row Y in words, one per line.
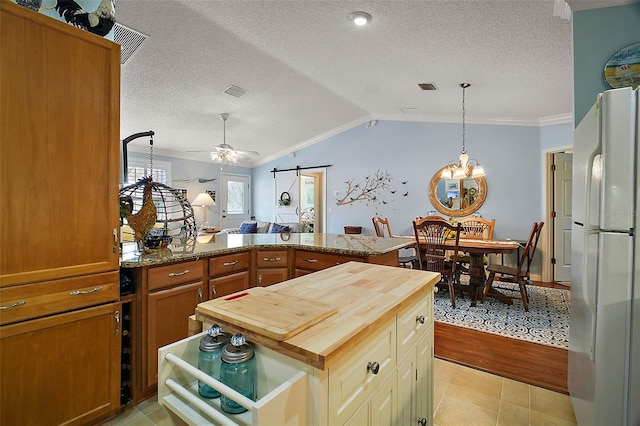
column 203, row 199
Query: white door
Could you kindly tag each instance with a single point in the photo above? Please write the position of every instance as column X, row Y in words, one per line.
column 235, row 200
column 562, row 196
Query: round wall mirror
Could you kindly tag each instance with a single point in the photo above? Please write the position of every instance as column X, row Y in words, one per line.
column 457, row 197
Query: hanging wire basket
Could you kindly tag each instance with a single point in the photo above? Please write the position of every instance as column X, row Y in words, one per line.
column 175, row 221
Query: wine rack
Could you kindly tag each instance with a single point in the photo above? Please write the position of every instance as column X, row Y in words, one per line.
column 126, row 358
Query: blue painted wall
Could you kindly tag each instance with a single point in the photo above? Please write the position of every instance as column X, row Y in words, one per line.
column 413, row 152
column 598, row 34
column 186, row 169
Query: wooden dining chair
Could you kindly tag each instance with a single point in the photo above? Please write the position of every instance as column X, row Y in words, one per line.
column 433, row 251
column 383, row 229
column 476, row 228
column 473, row 228
column 520, row 273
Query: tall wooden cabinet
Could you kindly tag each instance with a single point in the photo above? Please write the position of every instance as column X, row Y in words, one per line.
column 59, row 162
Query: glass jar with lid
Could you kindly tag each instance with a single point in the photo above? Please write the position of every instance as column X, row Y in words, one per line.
column 209, row 358
column 238, row 371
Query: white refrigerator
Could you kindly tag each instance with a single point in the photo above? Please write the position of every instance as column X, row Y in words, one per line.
column 604, row 343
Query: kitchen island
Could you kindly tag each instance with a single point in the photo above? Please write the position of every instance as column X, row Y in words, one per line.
column 170, row 282
column 368, row 362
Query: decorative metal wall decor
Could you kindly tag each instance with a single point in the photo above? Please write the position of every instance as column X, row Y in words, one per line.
column 371, row 190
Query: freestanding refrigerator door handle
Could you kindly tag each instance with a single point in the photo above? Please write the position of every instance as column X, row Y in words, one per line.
column 586, row 296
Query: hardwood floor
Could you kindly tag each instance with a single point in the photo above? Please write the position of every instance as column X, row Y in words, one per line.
column 532, row 363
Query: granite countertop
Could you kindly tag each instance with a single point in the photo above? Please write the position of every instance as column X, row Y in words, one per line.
column 215, row 244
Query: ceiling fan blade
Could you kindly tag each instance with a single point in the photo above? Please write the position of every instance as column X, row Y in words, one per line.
column 247, row 152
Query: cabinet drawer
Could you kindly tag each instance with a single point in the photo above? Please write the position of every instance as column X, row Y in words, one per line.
column 222, row 265
column 413, row 322
column 355, row 379
column 45, row 298
column 271, row 258
column 317, row 261
column 177, row 273
column 228, row 284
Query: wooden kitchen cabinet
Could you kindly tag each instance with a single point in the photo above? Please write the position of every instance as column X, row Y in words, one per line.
column 272, row 267
column 59, row 158
column 168, row 310
column 228, row 284
column 228, row 274
column 63, row 368
column 59, row 221
column 307, row 261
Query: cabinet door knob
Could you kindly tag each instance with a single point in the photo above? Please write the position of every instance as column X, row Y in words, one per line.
column 235, row 262
column 374, row 367
column 420, row 319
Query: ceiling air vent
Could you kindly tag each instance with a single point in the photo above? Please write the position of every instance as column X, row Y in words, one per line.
column 235, row 91
column 129, row 41
column 427, row 86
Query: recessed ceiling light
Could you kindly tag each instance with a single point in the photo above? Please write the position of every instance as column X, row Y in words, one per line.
column 360, row 18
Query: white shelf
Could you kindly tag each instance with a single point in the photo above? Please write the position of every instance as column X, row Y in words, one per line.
column 281, row 388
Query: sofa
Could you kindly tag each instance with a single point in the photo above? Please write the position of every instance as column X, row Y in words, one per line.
column 256, row 227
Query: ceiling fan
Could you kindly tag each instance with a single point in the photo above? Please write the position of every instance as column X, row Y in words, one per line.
column 224, row 153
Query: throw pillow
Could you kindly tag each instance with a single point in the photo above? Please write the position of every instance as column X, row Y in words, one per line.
column 248, row 228
column 275, row 228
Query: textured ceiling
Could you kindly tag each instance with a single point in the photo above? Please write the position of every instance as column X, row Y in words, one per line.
column 310, row 73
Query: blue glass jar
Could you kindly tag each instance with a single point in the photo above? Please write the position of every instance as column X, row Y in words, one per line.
column 238, row 372
column 209, row 358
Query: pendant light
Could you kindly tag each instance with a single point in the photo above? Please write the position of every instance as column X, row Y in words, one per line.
column 464, row 167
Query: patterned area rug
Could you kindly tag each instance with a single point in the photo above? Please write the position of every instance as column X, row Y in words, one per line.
column 547, row 321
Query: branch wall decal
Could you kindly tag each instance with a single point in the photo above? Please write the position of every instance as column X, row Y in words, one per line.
column 366, row 191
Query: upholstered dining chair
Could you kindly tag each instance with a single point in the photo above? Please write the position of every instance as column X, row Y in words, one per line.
column 520, row 272
column 383, row 229
column 432, row 237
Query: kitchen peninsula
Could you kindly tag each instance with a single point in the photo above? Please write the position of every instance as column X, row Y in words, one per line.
column 169, row 283
column 368, row 361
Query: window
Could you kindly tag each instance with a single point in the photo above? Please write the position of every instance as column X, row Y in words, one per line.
column 139, row 169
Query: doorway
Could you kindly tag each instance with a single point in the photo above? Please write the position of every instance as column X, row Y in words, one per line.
column 235, row 200
column 307, row 193
column 311, row 200
column 559, row 216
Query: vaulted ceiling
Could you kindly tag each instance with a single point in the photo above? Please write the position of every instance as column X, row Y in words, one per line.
column 309, row 72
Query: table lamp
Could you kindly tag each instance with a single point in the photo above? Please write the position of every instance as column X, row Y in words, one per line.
column 203, row 199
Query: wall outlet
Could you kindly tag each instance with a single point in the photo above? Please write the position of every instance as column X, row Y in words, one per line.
column 330, row 210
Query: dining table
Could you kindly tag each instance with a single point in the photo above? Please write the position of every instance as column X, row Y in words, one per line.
column 477, row 250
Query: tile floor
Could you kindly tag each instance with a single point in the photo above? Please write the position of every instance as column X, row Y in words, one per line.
column 463, row 396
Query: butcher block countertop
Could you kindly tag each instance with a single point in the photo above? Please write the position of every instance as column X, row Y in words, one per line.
column 363, row 296
column 215, row 244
